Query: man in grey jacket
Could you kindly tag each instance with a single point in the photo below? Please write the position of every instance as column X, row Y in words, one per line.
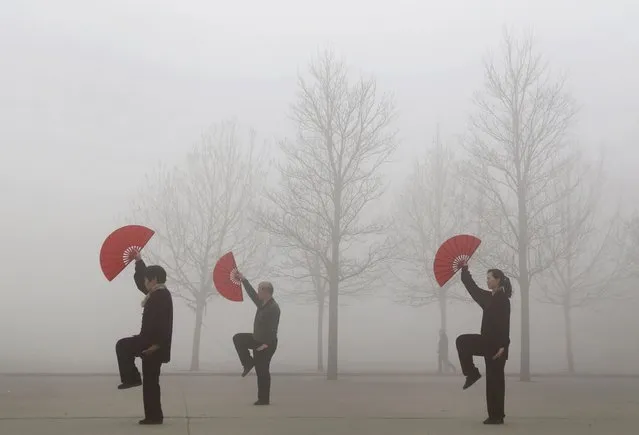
column 263, row 340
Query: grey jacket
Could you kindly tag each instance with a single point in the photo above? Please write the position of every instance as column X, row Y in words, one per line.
column 267, row 317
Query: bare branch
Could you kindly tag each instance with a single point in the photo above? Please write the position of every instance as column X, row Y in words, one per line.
column 330, row 175
column 200, row 208
column 517, row 151
column 430, row 210
column 329, row 178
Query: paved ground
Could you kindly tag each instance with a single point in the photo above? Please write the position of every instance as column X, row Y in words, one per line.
column 206, row 405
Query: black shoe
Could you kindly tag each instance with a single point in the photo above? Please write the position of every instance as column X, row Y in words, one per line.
column 151, row 421
column 126, row 386
column 494, row 421
column 470, row 380
column 261, row 403
column 247, row 369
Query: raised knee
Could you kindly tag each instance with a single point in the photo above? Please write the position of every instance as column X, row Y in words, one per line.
column 119, row 344
column 460, row 340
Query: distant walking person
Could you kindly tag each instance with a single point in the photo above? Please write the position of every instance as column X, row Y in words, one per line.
column 152, row 344
column 263, row 340
column 443, row 363
column 492, row 343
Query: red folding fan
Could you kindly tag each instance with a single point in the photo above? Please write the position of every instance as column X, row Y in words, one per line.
column 452, row 255
column 119, row 248
column 225, row 280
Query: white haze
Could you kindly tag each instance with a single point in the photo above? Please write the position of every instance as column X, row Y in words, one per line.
column 94, row 94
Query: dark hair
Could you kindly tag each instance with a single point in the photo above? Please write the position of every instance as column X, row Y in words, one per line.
column 504, row 281
column 155, row 273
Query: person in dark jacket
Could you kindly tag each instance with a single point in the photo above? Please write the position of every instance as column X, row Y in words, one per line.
column 152, row 344
column 263, row 340
column 492, row 343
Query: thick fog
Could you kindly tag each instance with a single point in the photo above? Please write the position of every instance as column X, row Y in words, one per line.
column 95, row 98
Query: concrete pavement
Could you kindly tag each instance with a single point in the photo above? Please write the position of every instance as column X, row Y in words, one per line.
column 199, row 405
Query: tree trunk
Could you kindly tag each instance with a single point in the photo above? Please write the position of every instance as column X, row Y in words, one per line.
column 443, row 321
column 524, row 287
column 197, row 334
column 442, row 309
column 524, row 371
column 568, row 322
column 333, row 290
column 333, row 286
column 320, row 336
column 567, row 305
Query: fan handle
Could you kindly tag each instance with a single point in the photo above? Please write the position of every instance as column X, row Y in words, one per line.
column 235, row 276
column 130, row 253
column 460, row 262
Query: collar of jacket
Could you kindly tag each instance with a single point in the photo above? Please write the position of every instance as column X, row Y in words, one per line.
column 271, row 300
column 148, row 295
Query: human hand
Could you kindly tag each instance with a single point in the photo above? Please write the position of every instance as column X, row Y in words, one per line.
column 150, row 350
column 238, row 275
column 261, row 347
column 499, row 353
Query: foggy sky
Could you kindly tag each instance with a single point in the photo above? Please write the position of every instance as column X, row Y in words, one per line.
column 94, row 94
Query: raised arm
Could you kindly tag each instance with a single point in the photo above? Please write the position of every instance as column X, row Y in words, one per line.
column 138, row 276
column 480, row 296
column 251, row 292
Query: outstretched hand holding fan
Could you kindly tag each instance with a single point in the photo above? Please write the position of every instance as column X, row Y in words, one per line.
column 121, row 247
column 227, row 279
column 452, row 255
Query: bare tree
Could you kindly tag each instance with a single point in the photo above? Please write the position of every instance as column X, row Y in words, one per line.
column 588, row 262
column 517, row 152
column 430, row 210
column 199, row 211
column 632, row 244
column 330, row 176
column 307, row 270
column 310, row 277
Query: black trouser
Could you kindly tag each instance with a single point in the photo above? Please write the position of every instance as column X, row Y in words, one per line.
column 127, row 349
column 470, row 345
column 244, row 342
